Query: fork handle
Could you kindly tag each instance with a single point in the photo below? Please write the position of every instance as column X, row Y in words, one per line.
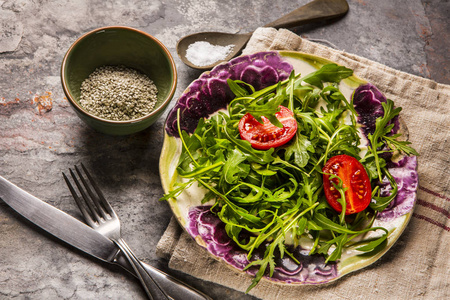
column 175, row 288
column 152, row 289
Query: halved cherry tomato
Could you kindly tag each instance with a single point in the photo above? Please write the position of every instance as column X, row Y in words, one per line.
column 354, row 179
column 266, row 136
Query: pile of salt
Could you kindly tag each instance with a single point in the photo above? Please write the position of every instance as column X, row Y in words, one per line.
column 204, row 54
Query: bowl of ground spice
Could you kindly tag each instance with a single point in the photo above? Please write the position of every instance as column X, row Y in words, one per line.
column 119, row 80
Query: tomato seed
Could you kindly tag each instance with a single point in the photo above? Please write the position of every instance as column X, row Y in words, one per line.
column 266, row 137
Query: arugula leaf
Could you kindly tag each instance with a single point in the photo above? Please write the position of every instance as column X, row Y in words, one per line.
column 371, row 167
column 325, row 223
column 233, row 168
column 373, row 244
column 174, row 193
column 267, row 110
column 262, row 170
column 298, row 148
column 381, row 130
column 301, row 226
column 339, row 243
column 262, row 263
column 252, row 154
column 381, row 203
column 328, row 73
column 237, row 89
column 200, row 170
column 401, row 146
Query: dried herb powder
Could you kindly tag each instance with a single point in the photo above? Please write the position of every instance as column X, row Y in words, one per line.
column 118, row 93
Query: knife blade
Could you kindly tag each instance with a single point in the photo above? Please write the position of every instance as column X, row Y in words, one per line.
column 81, row 236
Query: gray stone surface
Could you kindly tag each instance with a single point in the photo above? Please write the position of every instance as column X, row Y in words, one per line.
column 38, row 143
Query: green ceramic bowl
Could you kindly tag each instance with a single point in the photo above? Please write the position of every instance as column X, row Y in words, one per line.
column 117, row 45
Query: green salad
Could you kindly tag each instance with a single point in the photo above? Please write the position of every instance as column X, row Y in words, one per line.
column 283, row 192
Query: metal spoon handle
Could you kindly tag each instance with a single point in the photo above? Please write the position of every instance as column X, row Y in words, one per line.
column 317, row 10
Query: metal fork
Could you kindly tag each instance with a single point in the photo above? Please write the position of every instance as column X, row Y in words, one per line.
column 99, row 214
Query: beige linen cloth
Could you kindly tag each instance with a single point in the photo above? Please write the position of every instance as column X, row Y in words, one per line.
column 417, row 266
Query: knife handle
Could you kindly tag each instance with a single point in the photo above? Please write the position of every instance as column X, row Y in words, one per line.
column 174, row 288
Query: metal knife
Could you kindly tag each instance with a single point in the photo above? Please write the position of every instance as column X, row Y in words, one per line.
column 83, row 237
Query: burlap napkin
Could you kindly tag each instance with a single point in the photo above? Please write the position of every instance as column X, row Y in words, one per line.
column 418, row 265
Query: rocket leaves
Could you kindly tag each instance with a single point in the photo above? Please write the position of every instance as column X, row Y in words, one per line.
column 277, row 193
column 328, row 73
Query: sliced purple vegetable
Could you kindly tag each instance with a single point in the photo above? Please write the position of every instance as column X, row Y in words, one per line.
column 236, row 258
column 197, row 109
column 289, row 266
column 210, row 92
column 367, row 101
column 406, row 177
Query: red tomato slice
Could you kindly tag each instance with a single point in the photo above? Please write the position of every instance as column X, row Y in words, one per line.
column 266, row 136
column 354, row 178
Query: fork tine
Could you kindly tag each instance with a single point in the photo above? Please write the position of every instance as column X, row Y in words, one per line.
column 79, row 202
column 92, row 209
column 102, row 199
column 94, row 198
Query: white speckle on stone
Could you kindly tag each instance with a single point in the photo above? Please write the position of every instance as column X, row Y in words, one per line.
column 53, row 81
column 11, row 31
